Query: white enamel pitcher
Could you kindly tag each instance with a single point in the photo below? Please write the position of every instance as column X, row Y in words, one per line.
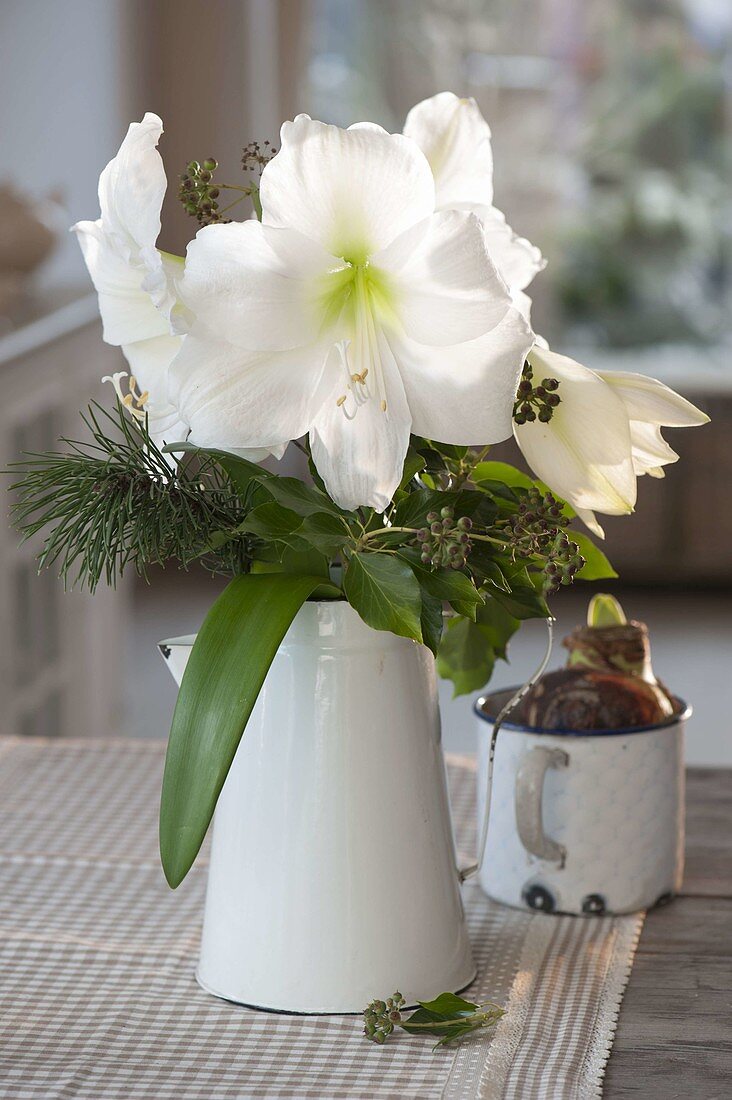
column 333, row 876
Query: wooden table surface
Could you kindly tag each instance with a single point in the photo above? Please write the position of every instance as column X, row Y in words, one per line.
column 674, row 1034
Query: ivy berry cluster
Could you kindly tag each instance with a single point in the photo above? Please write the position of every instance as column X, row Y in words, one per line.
column 199, row 193
column 254, row 156
column 537, row 528
column 445, row 542
column 380, row 1018
column 563, row 562
column 535, row 402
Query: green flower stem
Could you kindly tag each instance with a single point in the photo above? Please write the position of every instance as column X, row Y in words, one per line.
column 256, row 203
column 466, row 467
column 477, row 1019
column 388, row 531
column 413, row 531
column 489, row 538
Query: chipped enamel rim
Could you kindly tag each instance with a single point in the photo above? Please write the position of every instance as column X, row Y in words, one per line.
column 683, row 712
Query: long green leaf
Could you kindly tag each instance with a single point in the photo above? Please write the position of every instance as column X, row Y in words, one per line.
column 225, row 671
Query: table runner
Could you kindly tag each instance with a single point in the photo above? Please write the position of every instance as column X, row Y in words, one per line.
column 98, row 998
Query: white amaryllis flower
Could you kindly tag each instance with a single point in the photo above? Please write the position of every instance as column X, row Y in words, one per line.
column 606, row 430
column 353, row 312
column 133, row 278
column 604, row 433
column 456, row 140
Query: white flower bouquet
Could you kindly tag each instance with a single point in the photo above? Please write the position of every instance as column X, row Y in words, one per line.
column 372, row 312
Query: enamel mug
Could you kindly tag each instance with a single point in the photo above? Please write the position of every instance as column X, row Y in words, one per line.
column 583, row 822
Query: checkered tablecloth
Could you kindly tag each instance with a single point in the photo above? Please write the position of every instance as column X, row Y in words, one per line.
column 98, row 998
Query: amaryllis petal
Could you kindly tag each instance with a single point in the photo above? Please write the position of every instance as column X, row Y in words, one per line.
column 584, row 452
column 255, row 286
column 133, row 279
column 160, row 282
column 517, row 259
column 232, row 398
column 353, row 191
column 590, row 521
column 256, row 454
column 445, row 288
column 650, row 449
column 464, row 394
column 132, row 189
column 456, row 140
column 128, row 312
column 650, row 400
column 360, row 453
column 149, row 361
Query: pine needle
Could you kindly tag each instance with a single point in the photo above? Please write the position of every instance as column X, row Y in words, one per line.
column 114, row 502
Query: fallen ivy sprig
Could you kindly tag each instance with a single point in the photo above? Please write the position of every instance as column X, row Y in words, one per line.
column 448, row 1016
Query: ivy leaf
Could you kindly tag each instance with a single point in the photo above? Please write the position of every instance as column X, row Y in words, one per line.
column 449, row 1005
column 431, row 621
column 455, row 1032
column 434, row 461
column 445, row 584
column 241, row 472
column 503, row 473
column 412, row 512
column 465, row 656
column 385, row 593
column 309, row 563
column 303, row 499
column 523, row 601
column 326, row 532
column 450, row 450
column 497, row 625
column 484, row 566
column 413, row 463
column 271, row 521
column 452, row 1016
column 596, row 567
column 320, row 484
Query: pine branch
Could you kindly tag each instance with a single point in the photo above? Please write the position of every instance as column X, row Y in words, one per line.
column 113, row 502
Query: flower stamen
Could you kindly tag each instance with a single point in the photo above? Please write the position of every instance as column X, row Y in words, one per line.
column 133, row 401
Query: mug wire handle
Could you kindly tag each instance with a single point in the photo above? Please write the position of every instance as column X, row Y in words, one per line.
column 472, row 869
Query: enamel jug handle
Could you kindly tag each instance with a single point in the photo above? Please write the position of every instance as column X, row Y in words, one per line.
column 529, row 795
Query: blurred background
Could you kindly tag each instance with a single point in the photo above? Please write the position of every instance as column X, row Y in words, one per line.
column 612, row 130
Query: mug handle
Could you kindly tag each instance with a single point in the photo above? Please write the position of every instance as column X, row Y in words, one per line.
column 528, row 800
